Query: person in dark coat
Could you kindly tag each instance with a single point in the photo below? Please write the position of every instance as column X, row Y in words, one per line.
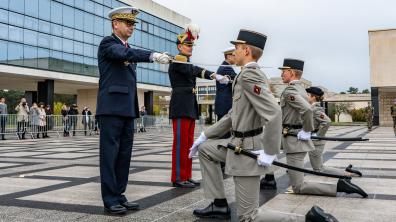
column 183, row 107
column 117, row 106
column 72, row 114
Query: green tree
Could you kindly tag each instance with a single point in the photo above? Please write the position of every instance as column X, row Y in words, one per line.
column 353, row 90
column 366, row 91
column 340, row 108
column 342, row 92
column 13, row 97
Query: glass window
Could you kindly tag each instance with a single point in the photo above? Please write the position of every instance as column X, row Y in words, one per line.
column 95, row 51
column 162, row 45
column 156, row 43
column 30, row 56
column 79, row 4
column 151, row 29
column 78, row 48
column 15, row 19
column 31, row 8
column 15, row 53
column 68, row 62
column 88, row 22
column 31, row 23
column 3, row 50
column 68, row 32
column 151, row 41
column 3, row 15
column 144, row 26
column 98, row 25
column 145, row 76
column 78, row 66
column 79, row 19
column 89, row 6
column 17, row 6
column 44, row 26
column 44, row 40
column 107, row 3
column 56, row 30
column 30, row 37
column 56, row 43
column 69, row 2
column 16, row 33
column 145, row 42
column 43, row 58
column 45, row 9
column 4, row 4
column 68, row 45
column 3, row 32
column 115, row 4
column 68, row 16
column 88, row 50
column 161, row 32
column 78, row 35
column 156, row 30
column 56, row 54
column 99, row 10
column 97, row 39
column 107, row 27
column 88, row 38
column 56, row 12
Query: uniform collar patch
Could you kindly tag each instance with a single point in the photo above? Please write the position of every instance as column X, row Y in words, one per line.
column 257, row 89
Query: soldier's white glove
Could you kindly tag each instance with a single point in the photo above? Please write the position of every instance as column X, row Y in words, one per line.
column 161, row 58
column 222, row 79
column 302, row 135
column 264, row 159
column 194, row 149
column 314, row 134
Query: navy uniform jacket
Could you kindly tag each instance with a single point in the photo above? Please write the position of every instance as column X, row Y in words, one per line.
column 183, row 103
column 223, row 101
column 117, row 93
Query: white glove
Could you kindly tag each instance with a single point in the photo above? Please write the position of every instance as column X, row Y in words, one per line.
column 264, row 159
column 222, row 79
column 194, row 149
column 314, row 134
column 161, row 58
column 302, row 135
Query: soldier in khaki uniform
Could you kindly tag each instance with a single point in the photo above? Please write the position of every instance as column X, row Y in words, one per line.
column 297, row 118
column 253, row 107
column 369, row 116
column 393, row 113
column 321, row 125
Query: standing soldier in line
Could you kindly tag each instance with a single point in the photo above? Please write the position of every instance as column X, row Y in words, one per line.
column 118, row 106
column 321, row 125
column 393, row 113
column 183, row 107
column 297, row 117
column 223, row 100
column 253, row 107
column 369, row 116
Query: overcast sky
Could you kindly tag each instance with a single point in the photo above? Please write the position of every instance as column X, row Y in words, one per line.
column 330, row 36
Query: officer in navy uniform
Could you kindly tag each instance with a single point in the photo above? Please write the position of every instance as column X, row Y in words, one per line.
column 117, row 106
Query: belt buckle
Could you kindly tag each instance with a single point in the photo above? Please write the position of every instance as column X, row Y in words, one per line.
column 285, row 131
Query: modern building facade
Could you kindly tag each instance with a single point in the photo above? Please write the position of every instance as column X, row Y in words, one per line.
column 50, row 46
column 382, row 45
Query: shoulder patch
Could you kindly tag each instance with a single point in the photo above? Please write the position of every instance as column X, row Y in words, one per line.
column 292, row 98
column 322, row 116
column 257, row 89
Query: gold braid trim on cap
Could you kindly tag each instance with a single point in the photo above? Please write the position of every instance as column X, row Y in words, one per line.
column 126, row 16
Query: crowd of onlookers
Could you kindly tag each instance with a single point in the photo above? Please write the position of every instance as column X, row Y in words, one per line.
column 40, row 118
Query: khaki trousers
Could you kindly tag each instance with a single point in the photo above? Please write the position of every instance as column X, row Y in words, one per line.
column 316, row 159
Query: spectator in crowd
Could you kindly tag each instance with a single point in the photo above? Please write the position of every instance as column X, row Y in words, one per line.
column 42, row 120
column 142, row 112
column 96, row 125
column 73, row 112
column 86, row 120
column 3, row 117
column 35, row 119
column 22, row 110
column 65, row 120
column 49, row 119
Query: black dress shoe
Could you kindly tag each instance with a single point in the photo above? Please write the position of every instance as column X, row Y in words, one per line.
column 196, row 183
column 183, row 184
column 115, row 209
column 268, row 182
column 347, row 186
column 213, row 211
column 316, row 214
column 130, row 205
column 350, row 170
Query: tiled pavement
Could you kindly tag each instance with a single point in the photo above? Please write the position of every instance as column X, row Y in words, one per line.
column 58, row 180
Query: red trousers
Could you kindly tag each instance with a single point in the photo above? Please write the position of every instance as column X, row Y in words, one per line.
column 183, row 138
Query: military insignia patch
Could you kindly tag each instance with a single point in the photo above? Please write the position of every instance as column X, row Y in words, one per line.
column 322, row 116
column 257, row 89
column 292, row 98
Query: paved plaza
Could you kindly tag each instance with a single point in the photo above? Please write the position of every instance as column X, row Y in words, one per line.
column 58, row 180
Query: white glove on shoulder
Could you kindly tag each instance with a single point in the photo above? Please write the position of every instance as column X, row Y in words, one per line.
column 161, row 58
column 264, row 159
column 194, row 149
column 302, row 135
column 222, row 79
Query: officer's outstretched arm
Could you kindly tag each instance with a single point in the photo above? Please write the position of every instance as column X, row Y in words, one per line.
column 265, row 105
column 113, row 50
column 295, row 100
column 220, row 128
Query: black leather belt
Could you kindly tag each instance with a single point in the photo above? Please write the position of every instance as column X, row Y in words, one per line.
column 246, row 134
column 183, row 90
column 292, row 126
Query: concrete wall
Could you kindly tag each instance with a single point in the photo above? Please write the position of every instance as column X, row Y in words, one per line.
column 382, row 58
column 87, row 97
column 385, row 102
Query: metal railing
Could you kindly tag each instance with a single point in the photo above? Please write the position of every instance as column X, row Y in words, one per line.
column 35, row 126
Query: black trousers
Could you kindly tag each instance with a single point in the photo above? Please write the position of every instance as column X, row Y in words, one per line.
column 116, row 140
column 3, row 122
column 21, row 129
